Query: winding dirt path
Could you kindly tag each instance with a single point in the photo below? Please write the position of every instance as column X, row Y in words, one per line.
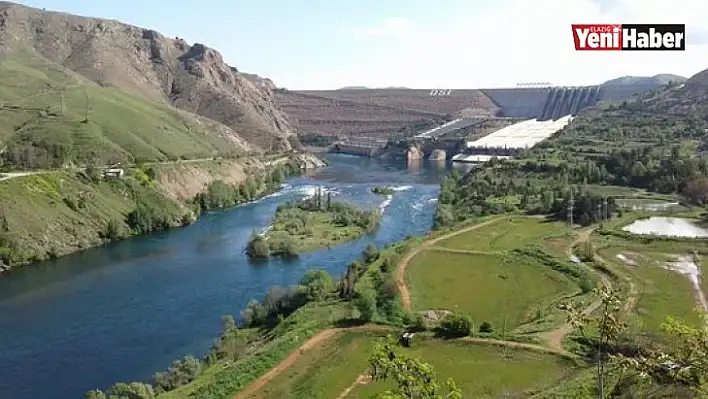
column 554, row 338
column 401, row 267
column 461, row 251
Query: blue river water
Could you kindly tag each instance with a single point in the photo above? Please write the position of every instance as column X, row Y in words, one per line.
column 124, row 311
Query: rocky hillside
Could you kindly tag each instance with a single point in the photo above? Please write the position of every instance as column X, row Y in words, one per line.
column 41, row 50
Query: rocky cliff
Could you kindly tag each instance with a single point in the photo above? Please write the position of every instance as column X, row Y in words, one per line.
column 145, row 63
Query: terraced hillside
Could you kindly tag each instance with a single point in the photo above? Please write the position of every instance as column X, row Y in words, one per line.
column 390, row 111
column 315, row 114
column 414, row 99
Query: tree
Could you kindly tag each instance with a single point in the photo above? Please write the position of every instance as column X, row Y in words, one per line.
column 370, row 254
column 317, row 285
column 365, row 301
column 413, row 378
column 683, row 363
column 133, row 390
column 607, row 323
column 257, row 247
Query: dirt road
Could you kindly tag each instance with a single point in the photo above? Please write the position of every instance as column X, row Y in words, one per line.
column 310, row 344
column 401, row 268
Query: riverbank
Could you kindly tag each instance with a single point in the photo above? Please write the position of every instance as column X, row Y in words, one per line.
column 57, row 213
column 313, row 223
column 284, row 320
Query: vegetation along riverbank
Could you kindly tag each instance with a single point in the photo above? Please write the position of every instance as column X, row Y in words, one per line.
column 55, row 213
column 316, row 222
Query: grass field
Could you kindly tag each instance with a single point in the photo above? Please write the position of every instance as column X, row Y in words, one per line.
column 480, row 370
column 325, row 371
column 98, row 124
column 515, row 232
column 662, row 292
column 495, row 288
column 483, row 371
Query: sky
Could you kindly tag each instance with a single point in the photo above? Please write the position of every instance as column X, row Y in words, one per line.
column 319, row 44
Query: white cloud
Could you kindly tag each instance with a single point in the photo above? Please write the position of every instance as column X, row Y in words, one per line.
column 516, row 41
column 388, row 28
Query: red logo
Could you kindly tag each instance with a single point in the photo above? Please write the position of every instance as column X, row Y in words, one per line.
column 629, row 37
column 597, row 37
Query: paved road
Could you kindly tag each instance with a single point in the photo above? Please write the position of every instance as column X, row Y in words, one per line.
column 12, row 175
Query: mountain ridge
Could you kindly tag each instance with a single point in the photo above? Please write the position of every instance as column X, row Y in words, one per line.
column 100, row 53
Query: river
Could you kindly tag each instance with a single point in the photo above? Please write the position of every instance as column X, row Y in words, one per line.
column 124, row 311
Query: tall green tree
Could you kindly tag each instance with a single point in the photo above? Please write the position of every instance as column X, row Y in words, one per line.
column 414, row 379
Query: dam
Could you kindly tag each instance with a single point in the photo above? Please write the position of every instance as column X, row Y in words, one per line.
column 550, row 103
column 530, row 105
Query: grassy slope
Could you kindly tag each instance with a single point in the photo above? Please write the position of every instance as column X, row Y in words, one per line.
column 483, row 371
column 662, row 292
column 324, row 372
column 223, row 380
column 42, row 222
column 490, row 288
column 119, row 125
column 509, row 234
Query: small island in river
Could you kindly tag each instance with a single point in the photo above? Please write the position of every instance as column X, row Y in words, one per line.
column 383, row 191
column 310, row 224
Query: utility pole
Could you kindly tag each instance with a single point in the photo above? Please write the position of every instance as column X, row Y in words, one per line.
column 599, row 210
column 570, row 209
column 607, row 210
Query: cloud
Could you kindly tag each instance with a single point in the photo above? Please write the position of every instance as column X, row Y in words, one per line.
column 518, row 41
column 388, row 28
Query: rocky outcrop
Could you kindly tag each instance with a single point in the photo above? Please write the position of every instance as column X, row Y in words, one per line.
column 438, row 155
column 309, row 161
column 147, row 64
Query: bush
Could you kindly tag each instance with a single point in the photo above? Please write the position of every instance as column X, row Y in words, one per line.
column 370, row 254
column 419, row 323
column 133, row 390
column 586, row 285
column 317, row 285
column 282, row 247
column 257, row 247
column 181, row 372
column 486, row 327
column 455, row 325
column 113, row 230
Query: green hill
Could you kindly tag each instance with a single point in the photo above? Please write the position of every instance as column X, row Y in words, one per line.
column 95, row 124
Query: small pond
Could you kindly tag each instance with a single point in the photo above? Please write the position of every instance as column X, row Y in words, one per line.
column 667, row 227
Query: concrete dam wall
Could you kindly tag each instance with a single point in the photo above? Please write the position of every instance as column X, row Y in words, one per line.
column 555, row 102
column 519, row 103
column 569, row 101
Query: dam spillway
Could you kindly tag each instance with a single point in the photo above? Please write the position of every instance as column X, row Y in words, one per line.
column 548, row 103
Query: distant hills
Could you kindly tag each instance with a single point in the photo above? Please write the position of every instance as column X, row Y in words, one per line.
column 373, row 88
column 656, row 80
